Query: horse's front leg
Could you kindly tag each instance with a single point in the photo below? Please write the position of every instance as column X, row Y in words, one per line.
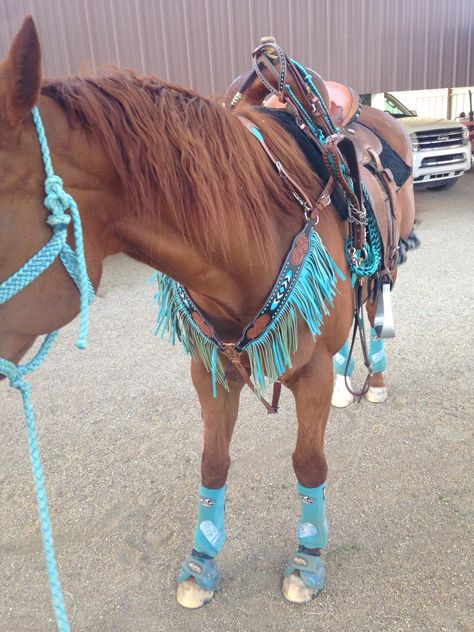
column 199, row 576
column 312, row 389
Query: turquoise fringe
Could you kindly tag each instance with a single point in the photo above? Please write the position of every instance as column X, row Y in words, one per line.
column 269, row 354
column 173, row 320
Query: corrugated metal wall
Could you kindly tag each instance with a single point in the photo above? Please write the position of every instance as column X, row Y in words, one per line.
column 372, row 45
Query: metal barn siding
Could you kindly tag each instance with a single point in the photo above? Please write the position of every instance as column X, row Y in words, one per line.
column 372, row 45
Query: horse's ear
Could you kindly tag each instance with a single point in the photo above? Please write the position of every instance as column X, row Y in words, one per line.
column 20, row 75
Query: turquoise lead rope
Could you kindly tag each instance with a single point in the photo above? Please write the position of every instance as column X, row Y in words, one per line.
column 58, row 202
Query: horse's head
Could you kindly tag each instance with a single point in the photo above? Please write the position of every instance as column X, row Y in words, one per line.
column 22, row 215
column 52, row 299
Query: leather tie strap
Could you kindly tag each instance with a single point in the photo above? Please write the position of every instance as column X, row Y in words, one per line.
column 336, row 147
column 234, row 356
column 387, row 181
column 275, row 50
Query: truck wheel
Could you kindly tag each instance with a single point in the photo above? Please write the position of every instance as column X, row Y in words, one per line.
column 444, row 186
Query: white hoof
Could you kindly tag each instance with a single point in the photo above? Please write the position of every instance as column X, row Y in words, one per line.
column 191, row 595
column 295, row 590
column 341, row 397
column 377, row 394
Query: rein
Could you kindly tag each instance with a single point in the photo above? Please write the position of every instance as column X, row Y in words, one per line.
column 62, row 209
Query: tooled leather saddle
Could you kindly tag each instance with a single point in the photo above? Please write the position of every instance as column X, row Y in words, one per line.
column 367, row 141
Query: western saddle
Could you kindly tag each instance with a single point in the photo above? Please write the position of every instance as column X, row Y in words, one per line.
column 360, row 132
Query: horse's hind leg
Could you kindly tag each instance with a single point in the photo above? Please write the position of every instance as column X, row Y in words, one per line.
column 199, row 577
column 377, row 392
column 312, row 389
column 341, row 396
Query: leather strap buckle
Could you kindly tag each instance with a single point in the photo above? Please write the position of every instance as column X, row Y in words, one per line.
column 324, row 200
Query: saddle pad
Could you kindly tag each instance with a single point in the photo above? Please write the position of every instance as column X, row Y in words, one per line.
column 390, row 159
column 311, row 153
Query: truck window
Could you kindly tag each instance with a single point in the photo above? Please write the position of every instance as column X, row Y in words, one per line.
column 395, row 108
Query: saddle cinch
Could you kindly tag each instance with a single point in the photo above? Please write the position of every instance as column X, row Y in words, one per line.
column 375, row 149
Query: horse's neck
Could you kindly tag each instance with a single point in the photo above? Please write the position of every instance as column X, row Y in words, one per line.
column 229, row 287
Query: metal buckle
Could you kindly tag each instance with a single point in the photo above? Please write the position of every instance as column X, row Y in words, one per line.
column 394, row 255
column 333, row 138
column 325, row 200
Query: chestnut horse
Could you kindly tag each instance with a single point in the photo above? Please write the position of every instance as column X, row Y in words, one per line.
column 175, row 181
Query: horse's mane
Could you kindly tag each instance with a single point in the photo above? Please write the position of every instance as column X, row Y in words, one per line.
column 169, row 145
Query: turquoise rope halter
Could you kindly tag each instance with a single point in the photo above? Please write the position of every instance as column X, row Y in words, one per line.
column 58, row 203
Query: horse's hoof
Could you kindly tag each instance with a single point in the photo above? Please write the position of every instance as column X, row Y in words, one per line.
column 341, row 397
column 190, row 595
column 295, row 590
column 377, row 394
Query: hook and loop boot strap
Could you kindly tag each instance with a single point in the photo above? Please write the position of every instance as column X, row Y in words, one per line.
column 234, row 356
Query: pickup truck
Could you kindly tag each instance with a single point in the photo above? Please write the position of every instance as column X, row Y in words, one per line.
column 441, row 148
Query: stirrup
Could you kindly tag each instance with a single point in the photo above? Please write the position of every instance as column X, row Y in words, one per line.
column 203, row 569
column 311, row 568
column 384, row 324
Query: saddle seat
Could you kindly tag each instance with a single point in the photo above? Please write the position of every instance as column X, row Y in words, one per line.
column 344, row 103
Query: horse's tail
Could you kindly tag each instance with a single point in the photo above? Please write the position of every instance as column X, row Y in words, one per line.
column 410, row 243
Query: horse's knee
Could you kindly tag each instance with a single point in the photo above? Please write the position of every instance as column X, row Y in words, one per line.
column 214, row 469
column 310, row 467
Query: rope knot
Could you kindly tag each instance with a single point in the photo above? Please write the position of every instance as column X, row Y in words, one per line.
column 57, row 201
column 54, row 185
column 9, row 370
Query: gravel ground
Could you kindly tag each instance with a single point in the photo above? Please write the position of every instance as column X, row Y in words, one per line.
column 121, row 438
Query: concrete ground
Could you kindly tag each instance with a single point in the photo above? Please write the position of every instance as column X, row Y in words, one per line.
column 121, row 438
